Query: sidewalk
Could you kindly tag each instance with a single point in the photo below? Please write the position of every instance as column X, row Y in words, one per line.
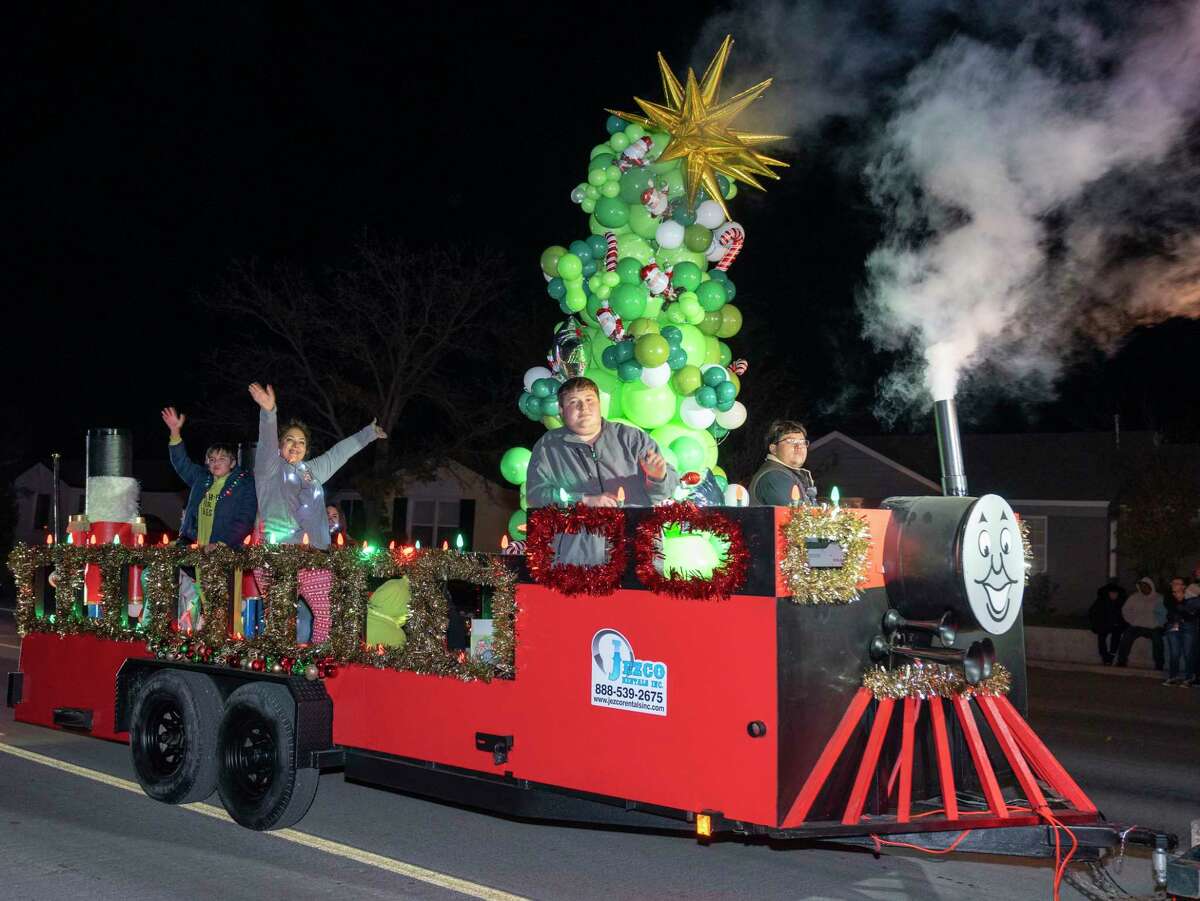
column 1128, row 672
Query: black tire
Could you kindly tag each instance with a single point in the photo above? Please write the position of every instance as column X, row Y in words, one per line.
column 173, row 736
column 258, row 779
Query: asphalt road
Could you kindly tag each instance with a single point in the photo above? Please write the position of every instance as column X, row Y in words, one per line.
column 64, row 831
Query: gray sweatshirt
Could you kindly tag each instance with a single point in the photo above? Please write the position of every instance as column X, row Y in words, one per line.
column 291, row 500
column 564, row 467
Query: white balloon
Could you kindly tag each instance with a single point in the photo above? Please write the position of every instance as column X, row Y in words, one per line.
column 736, row 496
column 694, row 415
column 709, row 214
column 537, row 372
column 734, row 417
column 656, row 376
column 669, row 234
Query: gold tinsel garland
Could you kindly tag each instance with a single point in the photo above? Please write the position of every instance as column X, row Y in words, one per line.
column 917, row 680
column 428, row 571
column 824, row 586
column 1026, row 547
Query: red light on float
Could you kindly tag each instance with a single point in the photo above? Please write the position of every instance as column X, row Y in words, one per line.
column 503, row 542
column 621, row 495
column 304, row 539
column 140, row 540
column 445, row 545
column 92, row 540
column 341, row 539
column 49, row 538
column 795, row 494
column 246, row 540
column 392, row 545
column 165, row 542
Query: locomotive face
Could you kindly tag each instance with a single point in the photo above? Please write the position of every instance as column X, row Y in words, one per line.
column 993, row 564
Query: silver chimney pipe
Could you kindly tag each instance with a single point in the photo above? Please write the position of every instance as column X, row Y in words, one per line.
column 954, row 474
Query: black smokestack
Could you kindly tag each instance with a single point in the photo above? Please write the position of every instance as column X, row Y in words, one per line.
column 954, row 474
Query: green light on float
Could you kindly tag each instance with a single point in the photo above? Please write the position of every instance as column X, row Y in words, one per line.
column 458, row 541
column 835, row 497
column 693, row 554
column 417, row 545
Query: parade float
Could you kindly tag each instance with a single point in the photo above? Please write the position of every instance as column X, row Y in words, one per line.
column 796, row 672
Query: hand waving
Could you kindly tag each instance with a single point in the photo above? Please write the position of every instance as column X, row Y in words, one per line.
column 380, row 434
column 264, row 397
column 173, row 420
column 654, row 465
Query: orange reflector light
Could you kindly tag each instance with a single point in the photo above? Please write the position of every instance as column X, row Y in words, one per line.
column 703, row 825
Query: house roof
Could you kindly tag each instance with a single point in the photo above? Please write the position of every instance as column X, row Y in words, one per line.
column 152, row 475
column 1063, row 466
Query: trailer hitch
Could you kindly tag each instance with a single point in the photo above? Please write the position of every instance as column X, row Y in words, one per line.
column 498, row 745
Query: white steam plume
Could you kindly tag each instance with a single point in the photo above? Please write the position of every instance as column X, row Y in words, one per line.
column 1032, row 169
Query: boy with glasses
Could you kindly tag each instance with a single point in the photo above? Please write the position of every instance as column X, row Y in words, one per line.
column 783, row 469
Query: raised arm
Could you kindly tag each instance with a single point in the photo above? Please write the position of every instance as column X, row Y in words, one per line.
column 324, row 466
column 266, row 456
column 661, row 477
column 189, row 471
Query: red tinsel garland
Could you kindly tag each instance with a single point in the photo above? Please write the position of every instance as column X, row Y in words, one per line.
column 573, row 578
column 725, row 579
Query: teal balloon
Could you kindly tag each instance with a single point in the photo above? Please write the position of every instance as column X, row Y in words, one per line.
column 598, row 246
column 545, row 388
column 673, row 335
column 723, row 184
column 628, row 301
column 712, row 377
column 630, row 370
column 600, row 161
column 589, row 265
column 625, row 350
column 629, row 270
column 686, row 277
column 730, row 289
column 711, row 294
column 718, row 275
column 726, row 393
column 613, row 124
column 718, row 432
column 697, row 238
column 533, row 407
column 611, row 212
column 725, row 406
column 610, row 357
column 549, row 406
column 556, row 288
column 634, row 183
column 514, row 464
column 677, row 358
column 706, row 397
column 581, row 249
column 684, row 216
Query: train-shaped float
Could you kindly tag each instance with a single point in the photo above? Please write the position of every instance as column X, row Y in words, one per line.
column 840, row 674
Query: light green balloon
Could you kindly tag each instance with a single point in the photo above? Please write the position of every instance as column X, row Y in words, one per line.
column 619, row 141
column 588, row 205
column 674, row 182
column 631, row 245
column 551, row 422
column 653, row 307
column 648, row 407
column 643, row 224
column 597, row 229
column 687, row 380
column 514, row 464
column 610, row 189
column 516, row 525
column 712, row 349
column 599, row 149
column 693, row 344
column 665, row 435
column 633, row 132
column 704, row 436
column 672, row 256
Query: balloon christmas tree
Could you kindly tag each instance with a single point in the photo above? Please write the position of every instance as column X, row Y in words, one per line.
column 647, row 294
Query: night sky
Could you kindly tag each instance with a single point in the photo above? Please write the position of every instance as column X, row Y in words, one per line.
column 148, row 148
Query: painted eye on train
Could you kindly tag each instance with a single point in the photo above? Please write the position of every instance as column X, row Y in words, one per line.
column 985, row 544
column 1005, row 541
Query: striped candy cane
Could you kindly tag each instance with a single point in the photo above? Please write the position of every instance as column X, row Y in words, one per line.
column 610, row 255
column 732, row 239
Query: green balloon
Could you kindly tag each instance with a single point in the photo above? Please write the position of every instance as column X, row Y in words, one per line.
column 514, row 464
column 631, row 245
column 550, row 257
column 712, row 349
column 726, row 354
column 706, row 397
column 611, row 212
column 697, row 238
column 516, row 525
column 633, row 131
column 610, row 392
column 711, row 293
column 601, row 160
column 731, row 321
column 726, row 392
column 686, row 277
column 652, row 350
column 676, row 255
column 619, row 141
column 634, row 183
column 610, row 189
column 545, row 388
column 674, row 182
column 575, row 300
column 693, row 344
column 628, row 301
column 687, row 380
column 629, row 270
column 714, row 376
column 624, row 351
column 711, row 324
column 550, row 407
column 596, row 227
column 648, row 407
column 709, row 444
column 689, row 452
column 629, row 371
column 643, row 224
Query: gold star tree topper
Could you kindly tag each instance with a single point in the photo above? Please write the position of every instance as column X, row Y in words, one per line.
column 699, row 125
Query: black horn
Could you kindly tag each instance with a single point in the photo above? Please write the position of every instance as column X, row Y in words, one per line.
column 945, row 627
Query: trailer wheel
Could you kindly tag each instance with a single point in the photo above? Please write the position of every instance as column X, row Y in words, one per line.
column 172, row 736
column 260, row 784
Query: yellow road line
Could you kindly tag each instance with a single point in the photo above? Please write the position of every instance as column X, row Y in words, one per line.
column 399, row 867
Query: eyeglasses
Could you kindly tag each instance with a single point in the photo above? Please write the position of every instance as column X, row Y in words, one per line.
column 797, row 443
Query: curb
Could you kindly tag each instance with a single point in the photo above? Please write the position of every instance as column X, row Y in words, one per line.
column 1127, row 672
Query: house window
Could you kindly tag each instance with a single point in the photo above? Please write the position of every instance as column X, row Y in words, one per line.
column 432, row 522
column 1037, row 541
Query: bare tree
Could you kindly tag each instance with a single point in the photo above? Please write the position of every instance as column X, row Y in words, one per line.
column 1159, row 509
column 399, row 335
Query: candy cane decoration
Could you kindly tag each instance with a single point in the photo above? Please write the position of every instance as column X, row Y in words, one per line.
column 738, row 367
column 610, row 255
column 732, row 239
